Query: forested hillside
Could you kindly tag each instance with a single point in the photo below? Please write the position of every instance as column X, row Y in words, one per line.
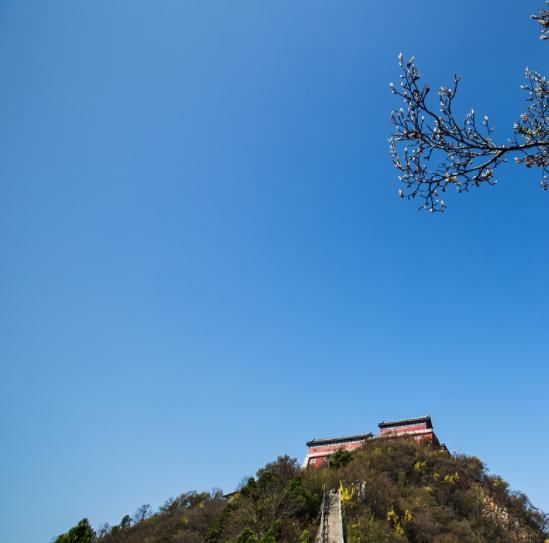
column 393, row 491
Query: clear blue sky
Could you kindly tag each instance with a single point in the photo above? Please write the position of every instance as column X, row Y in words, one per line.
column 204, row 262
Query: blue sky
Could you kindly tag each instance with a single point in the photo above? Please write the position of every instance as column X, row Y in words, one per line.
column 205, row 264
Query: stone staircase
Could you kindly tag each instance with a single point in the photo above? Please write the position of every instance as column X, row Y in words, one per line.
column 330, row 529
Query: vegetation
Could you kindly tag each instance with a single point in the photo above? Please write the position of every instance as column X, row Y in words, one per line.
column 81, row 533
column 436, row 151
column 393, row 491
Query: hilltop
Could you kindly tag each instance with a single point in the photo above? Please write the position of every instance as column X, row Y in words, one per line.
column 393, row 491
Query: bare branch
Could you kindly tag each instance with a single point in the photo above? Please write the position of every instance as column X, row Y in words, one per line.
column 533, row 126
column 543, row 19
column 435, row 151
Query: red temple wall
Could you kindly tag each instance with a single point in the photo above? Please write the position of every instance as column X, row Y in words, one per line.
column 318, row 456
column 403, row 429
column 330, row 449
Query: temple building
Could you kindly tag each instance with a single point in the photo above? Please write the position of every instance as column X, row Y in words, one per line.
column 320, row 449
column 419, row 429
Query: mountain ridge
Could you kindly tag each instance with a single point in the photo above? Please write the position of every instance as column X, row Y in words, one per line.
column 392, row 491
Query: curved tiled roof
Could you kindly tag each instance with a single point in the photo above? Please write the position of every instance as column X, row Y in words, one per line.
column 335, row 440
